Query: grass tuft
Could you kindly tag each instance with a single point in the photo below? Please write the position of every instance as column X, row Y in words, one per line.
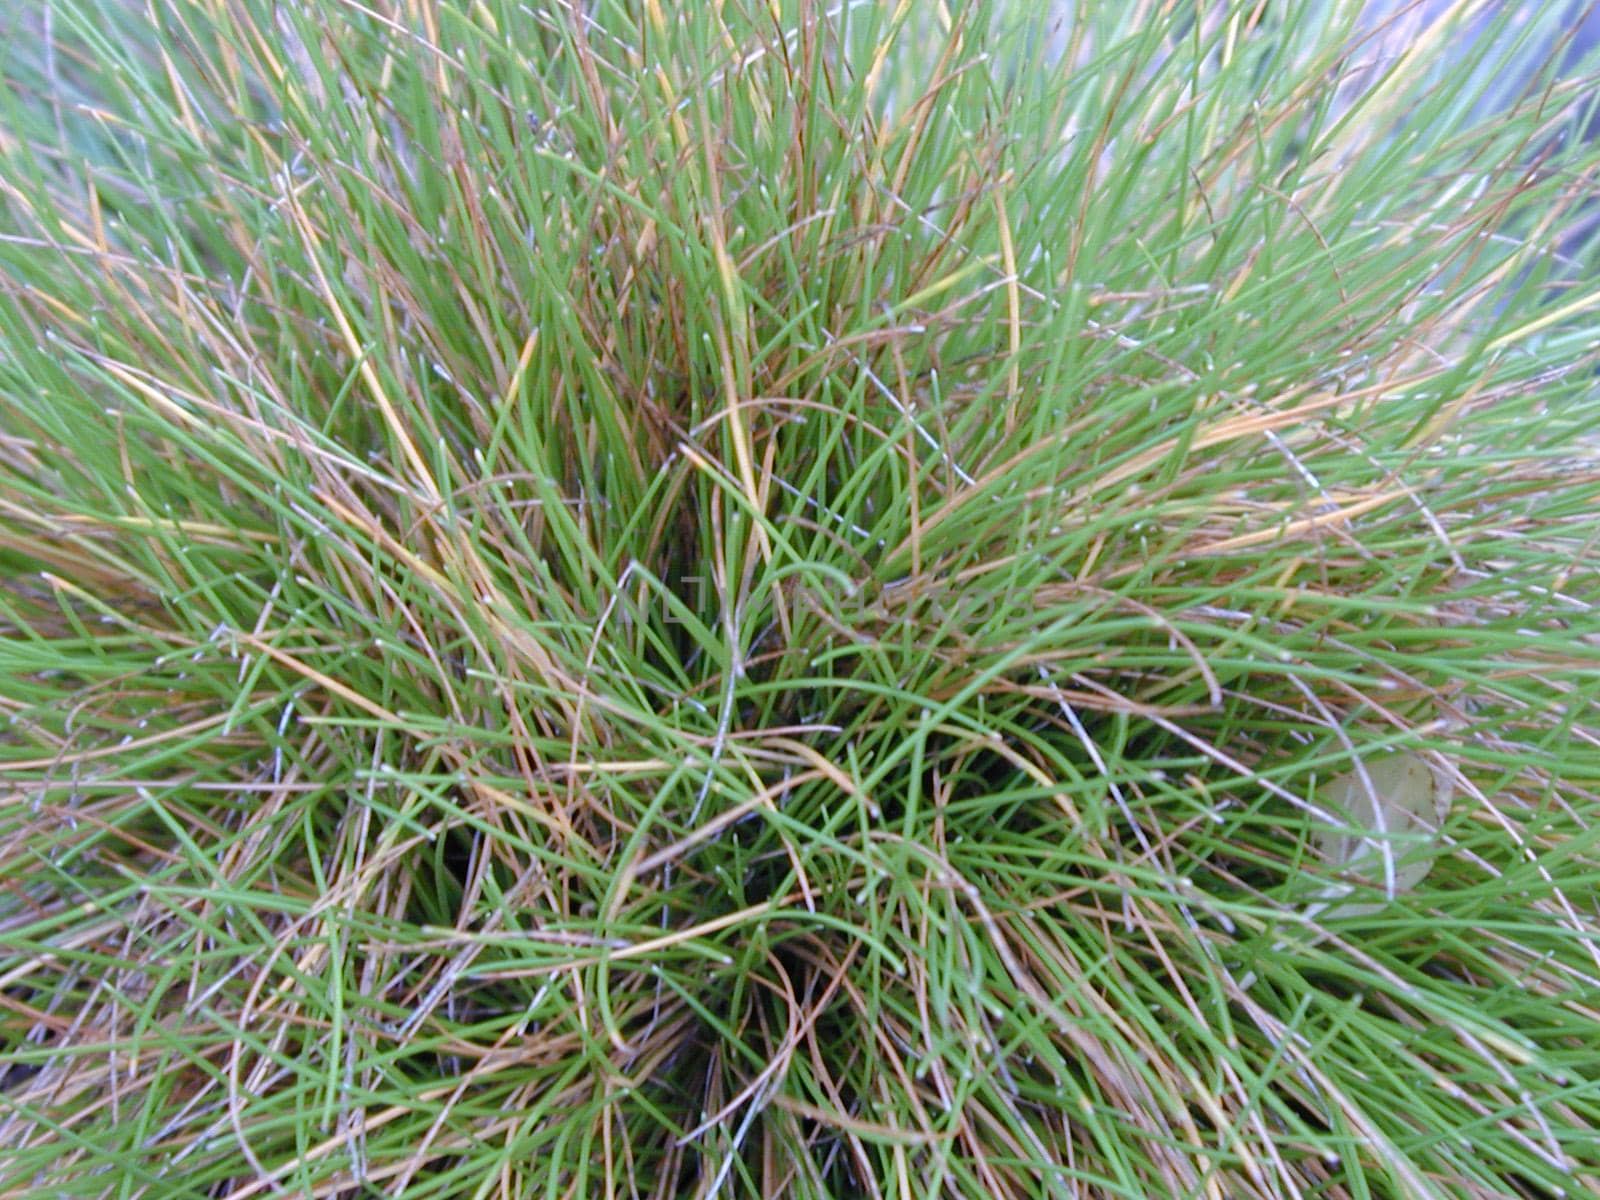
column 776, row 600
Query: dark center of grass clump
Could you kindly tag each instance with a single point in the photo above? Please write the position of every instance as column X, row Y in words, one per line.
column 760, row 601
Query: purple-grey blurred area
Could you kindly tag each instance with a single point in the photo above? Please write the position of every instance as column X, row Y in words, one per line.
column 1525, row 35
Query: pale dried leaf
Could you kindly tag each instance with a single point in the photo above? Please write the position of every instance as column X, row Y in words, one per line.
column 1391, row 821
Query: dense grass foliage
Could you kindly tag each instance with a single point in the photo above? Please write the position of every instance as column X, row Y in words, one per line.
column 767, row 600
